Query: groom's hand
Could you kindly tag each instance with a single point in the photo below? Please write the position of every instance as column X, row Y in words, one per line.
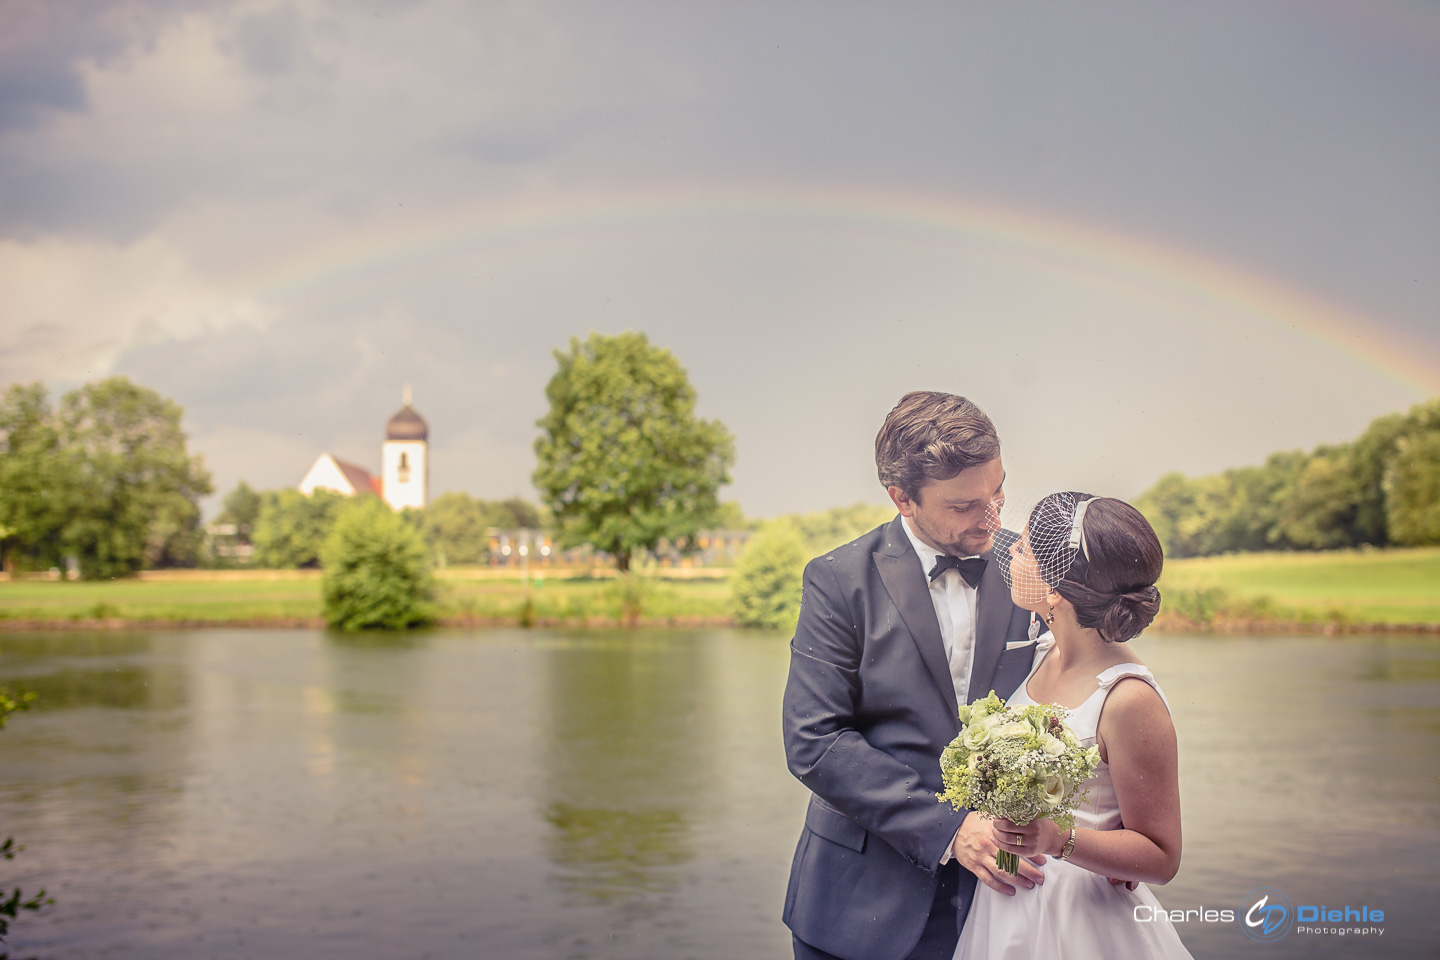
column 976, row 851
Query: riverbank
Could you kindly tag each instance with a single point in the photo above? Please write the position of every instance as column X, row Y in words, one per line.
column 1336, row 592
column 465, row 598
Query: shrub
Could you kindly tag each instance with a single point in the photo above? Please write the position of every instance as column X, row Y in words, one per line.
column 11, row 905
column 765, row 586
column 376, row 570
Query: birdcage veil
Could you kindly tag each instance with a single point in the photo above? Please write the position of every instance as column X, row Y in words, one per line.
column 1041, row 541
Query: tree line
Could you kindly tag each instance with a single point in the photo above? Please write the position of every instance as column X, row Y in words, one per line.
column 285, row 529
column 104, row 481
column 1381, row 489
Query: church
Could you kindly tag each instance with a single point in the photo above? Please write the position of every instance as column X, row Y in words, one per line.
column 404, row 479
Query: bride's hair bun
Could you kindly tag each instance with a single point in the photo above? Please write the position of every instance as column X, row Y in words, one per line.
column 1113, row 587
column 1129, row 613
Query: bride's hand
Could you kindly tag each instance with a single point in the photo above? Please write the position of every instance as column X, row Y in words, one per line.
column 1036, row 839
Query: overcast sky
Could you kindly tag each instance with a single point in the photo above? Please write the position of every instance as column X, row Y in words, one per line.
column 1144, row 237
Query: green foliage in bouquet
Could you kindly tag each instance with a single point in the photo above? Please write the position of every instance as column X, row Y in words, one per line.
column 377, row 571
column 1019, row 763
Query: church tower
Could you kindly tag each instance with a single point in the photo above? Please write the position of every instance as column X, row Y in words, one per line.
column 404, row 464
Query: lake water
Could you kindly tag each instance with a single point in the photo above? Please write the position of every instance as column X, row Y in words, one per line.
column 550, row 794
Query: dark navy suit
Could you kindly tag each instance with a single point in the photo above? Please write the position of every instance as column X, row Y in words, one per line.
column 868, row 708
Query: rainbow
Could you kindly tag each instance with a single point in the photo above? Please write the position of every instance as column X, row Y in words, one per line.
column 1224, row 291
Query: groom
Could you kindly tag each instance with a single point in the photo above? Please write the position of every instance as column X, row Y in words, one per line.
column 896, row 630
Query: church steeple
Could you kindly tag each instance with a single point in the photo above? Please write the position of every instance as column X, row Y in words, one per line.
column 405, row 465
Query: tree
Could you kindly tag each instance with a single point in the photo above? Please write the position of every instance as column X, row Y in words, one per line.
column 241, row 507
column 622, row 460
column 765, row 585
column 1412, row 489
column 1321, row 509
column 36, row 492
column 291, row 528
column 456, row 529
column 512, row 513
column 1371, row 456
column 136, row 487
column 828, row 529
column 377, row 571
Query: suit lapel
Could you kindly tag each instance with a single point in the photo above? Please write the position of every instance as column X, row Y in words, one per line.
column 992, row 617
column 899, row 570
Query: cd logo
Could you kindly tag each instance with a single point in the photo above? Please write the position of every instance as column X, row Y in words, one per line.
column 1266, row 915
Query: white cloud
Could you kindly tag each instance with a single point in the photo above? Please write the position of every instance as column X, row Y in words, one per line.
column 72, row 307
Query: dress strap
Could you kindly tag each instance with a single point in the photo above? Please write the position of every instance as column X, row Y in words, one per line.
column 1111, row 675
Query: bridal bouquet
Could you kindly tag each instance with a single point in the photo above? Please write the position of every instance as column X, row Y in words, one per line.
column 1018, row 763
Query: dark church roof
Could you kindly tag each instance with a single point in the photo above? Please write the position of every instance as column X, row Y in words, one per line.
column 360, row 478
column 406, row 425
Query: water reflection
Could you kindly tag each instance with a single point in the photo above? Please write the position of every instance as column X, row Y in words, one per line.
column 625, row 752
column 534, row 794
column 124, row 687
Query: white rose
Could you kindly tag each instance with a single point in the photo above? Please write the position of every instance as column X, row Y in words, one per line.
column 1052, row 747
column 1015, row 728
column 976, row 736
column 1052, row 790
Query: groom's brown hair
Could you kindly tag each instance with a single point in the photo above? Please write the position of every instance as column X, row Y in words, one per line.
column 932, row 436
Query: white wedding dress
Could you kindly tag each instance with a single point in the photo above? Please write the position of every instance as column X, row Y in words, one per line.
column 1074, row 914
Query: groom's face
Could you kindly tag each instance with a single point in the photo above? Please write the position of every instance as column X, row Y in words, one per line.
column 959, row 515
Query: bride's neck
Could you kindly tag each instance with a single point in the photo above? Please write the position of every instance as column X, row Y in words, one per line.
column 1076, row 646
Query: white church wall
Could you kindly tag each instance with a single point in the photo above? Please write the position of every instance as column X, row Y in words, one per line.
column 326, row 475
column 406, row 473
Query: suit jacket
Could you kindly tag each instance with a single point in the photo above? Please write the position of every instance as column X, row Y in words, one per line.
column 868, row 708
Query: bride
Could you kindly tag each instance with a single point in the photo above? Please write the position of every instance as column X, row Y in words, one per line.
column 1088, row 565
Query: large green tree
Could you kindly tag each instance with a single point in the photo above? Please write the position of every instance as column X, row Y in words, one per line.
column 106, row 479
column 36, row 489
column 137, row 488
column 622, row 459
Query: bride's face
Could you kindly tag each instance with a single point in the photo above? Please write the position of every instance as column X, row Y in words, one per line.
column 1027, row 587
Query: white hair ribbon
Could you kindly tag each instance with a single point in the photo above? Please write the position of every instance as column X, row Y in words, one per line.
column 1077, row 529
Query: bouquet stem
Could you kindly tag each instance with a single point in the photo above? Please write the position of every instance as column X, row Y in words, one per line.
column 1007, row 861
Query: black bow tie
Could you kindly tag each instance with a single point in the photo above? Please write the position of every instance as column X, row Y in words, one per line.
column 971, row 568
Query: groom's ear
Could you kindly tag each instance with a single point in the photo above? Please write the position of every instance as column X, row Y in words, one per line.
column 902, row 501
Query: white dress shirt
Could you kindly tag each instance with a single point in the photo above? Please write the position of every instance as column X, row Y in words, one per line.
column 954, row 602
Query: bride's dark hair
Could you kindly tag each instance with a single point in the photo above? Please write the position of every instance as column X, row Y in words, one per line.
column 1111, row 584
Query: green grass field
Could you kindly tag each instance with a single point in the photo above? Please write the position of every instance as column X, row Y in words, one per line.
column 1356, row 587
column 1359, row 586
column 298, row 598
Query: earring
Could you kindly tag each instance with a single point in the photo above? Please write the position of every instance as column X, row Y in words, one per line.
column 1050, row 617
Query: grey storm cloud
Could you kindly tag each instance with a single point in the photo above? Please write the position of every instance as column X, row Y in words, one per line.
column 165, row 166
